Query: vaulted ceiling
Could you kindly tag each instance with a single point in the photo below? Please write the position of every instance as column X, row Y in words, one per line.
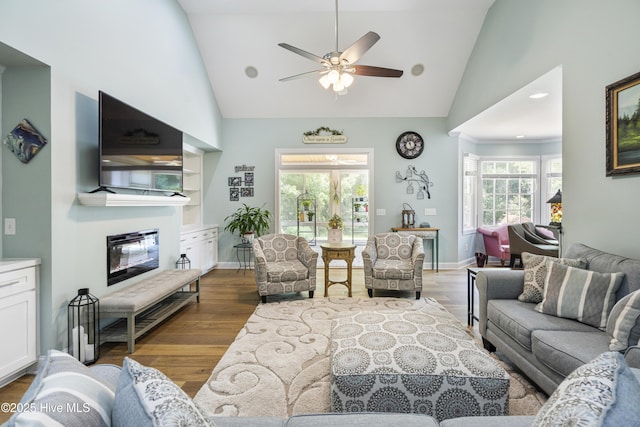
column 435, row 35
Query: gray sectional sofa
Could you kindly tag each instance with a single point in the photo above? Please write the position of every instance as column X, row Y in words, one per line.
column 548, row 347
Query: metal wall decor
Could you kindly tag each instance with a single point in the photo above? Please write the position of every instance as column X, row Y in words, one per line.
column 420, row 178
column 236, row 190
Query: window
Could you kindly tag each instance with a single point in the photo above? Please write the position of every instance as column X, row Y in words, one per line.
column 332, row 177
column 551, row 183
column 509, row 191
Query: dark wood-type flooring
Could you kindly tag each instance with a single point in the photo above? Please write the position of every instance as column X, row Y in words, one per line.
column 188, row 345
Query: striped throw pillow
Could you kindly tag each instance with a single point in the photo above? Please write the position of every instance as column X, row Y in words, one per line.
column 583, row 295
column 66, row 393
column 623, row 325
column 535, row 273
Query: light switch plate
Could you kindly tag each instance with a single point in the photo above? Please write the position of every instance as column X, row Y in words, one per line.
column 381, row 212
column 10, row 226
column 430, row 211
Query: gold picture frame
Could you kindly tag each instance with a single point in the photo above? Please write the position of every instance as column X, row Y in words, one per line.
column 623, row 126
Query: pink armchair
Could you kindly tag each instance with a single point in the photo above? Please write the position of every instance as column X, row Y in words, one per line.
column 496, row 241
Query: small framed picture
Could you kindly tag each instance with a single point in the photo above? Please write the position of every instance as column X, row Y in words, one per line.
column 248, row 179
column 246, row 191
column 623, row 119
column 235, row 181
column 234, row 194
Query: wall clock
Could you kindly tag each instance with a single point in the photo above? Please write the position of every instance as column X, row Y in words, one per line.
column 409, row 145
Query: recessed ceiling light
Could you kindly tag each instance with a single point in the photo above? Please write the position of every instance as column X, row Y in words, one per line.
column 251, row 72
column 538, row 95
column 417, row 69
column 519, row 136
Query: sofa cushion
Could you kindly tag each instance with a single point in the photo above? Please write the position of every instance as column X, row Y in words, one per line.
column 146, row 397
column 497, row 421
column 535, row 273
column 563, row 352
column 63, row 380
column 602, row 392
column 519, row 319
column 583, row 295
column 623, row 325
column 362, row 420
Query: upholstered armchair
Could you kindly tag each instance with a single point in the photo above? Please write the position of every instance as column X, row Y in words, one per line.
column 393, row 261
column 520, row 241
column 496, row 241
column 284, row 263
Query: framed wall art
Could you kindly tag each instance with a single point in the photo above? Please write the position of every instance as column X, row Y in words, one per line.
column 25, row 141
column 623, row 126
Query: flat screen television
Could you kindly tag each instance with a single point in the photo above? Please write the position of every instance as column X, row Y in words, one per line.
column 137, row 151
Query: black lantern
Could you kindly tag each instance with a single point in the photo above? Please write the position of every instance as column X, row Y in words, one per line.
column 84, row 328
column 183, row 263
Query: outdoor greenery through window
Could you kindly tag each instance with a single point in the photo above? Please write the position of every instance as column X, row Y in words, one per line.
column 508, row 191
column 333, row 180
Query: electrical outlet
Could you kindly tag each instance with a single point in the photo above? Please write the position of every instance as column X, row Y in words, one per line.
column 10, row 226
column 381, row 212
column 430, row 211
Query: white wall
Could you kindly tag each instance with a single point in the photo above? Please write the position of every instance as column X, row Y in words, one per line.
column 596, row 44
column 142, row 52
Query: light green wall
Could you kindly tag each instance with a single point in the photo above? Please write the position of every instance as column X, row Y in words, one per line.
column 142, row 52
column 595, row 42
column 253, row 142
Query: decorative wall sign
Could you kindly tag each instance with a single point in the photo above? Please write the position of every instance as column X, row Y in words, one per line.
column 324, row 135
column 25, row 141
column 623, row 121
column 236, row 188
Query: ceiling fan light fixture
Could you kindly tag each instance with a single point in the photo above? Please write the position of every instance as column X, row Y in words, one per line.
column 338, row 86
column 346, row 79
column 333, row 76
column 324, row 81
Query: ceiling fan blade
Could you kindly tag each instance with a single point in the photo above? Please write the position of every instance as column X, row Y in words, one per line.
column 304, row 53
column 301, row 75
column 360, row 47
column 368, row 70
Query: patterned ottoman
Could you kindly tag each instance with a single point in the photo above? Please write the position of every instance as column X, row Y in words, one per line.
column 413, row 361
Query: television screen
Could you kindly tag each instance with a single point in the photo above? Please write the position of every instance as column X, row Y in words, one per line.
column 137, row 151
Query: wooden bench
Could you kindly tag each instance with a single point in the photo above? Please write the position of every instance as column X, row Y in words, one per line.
column 145, row 304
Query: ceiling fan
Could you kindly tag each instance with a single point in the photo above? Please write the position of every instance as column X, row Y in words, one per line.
column 338, row 67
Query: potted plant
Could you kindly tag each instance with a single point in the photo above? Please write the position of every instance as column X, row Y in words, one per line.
column 361, row 192
column 306, row 204
column 335, row 229
column 247, row 221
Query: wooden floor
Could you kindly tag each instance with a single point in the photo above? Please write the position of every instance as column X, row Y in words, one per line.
column 187, row 346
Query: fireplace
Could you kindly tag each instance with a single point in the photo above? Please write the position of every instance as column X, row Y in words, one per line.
column 131, row 254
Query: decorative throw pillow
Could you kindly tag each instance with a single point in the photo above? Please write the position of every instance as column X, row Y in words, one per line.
column 65, row 392
column 602, row 392
column 584, row 295
column 535, row 273
column 146, row 397
column 623, row 325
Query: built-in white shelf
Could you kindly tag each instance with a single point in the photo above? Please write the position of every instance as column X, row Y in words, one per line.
column 108, row 199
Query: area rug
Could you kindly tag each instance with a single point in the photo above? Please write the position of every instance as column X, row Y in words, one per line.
column 278, row 364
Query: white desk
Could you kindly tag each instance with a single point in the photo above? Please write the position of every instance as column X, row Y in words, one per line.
column 432, row 234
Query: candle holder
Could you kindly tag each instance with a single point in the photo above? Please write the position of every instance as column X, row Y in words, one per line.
column 83, row 327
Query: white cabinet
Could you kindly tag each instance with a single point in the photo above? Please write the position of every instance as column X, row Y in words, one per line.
column 200, row 244
column 18, row 316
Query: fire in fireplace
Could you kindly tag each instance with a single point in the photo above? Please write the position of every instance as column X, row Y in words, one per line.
column 131, row 254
